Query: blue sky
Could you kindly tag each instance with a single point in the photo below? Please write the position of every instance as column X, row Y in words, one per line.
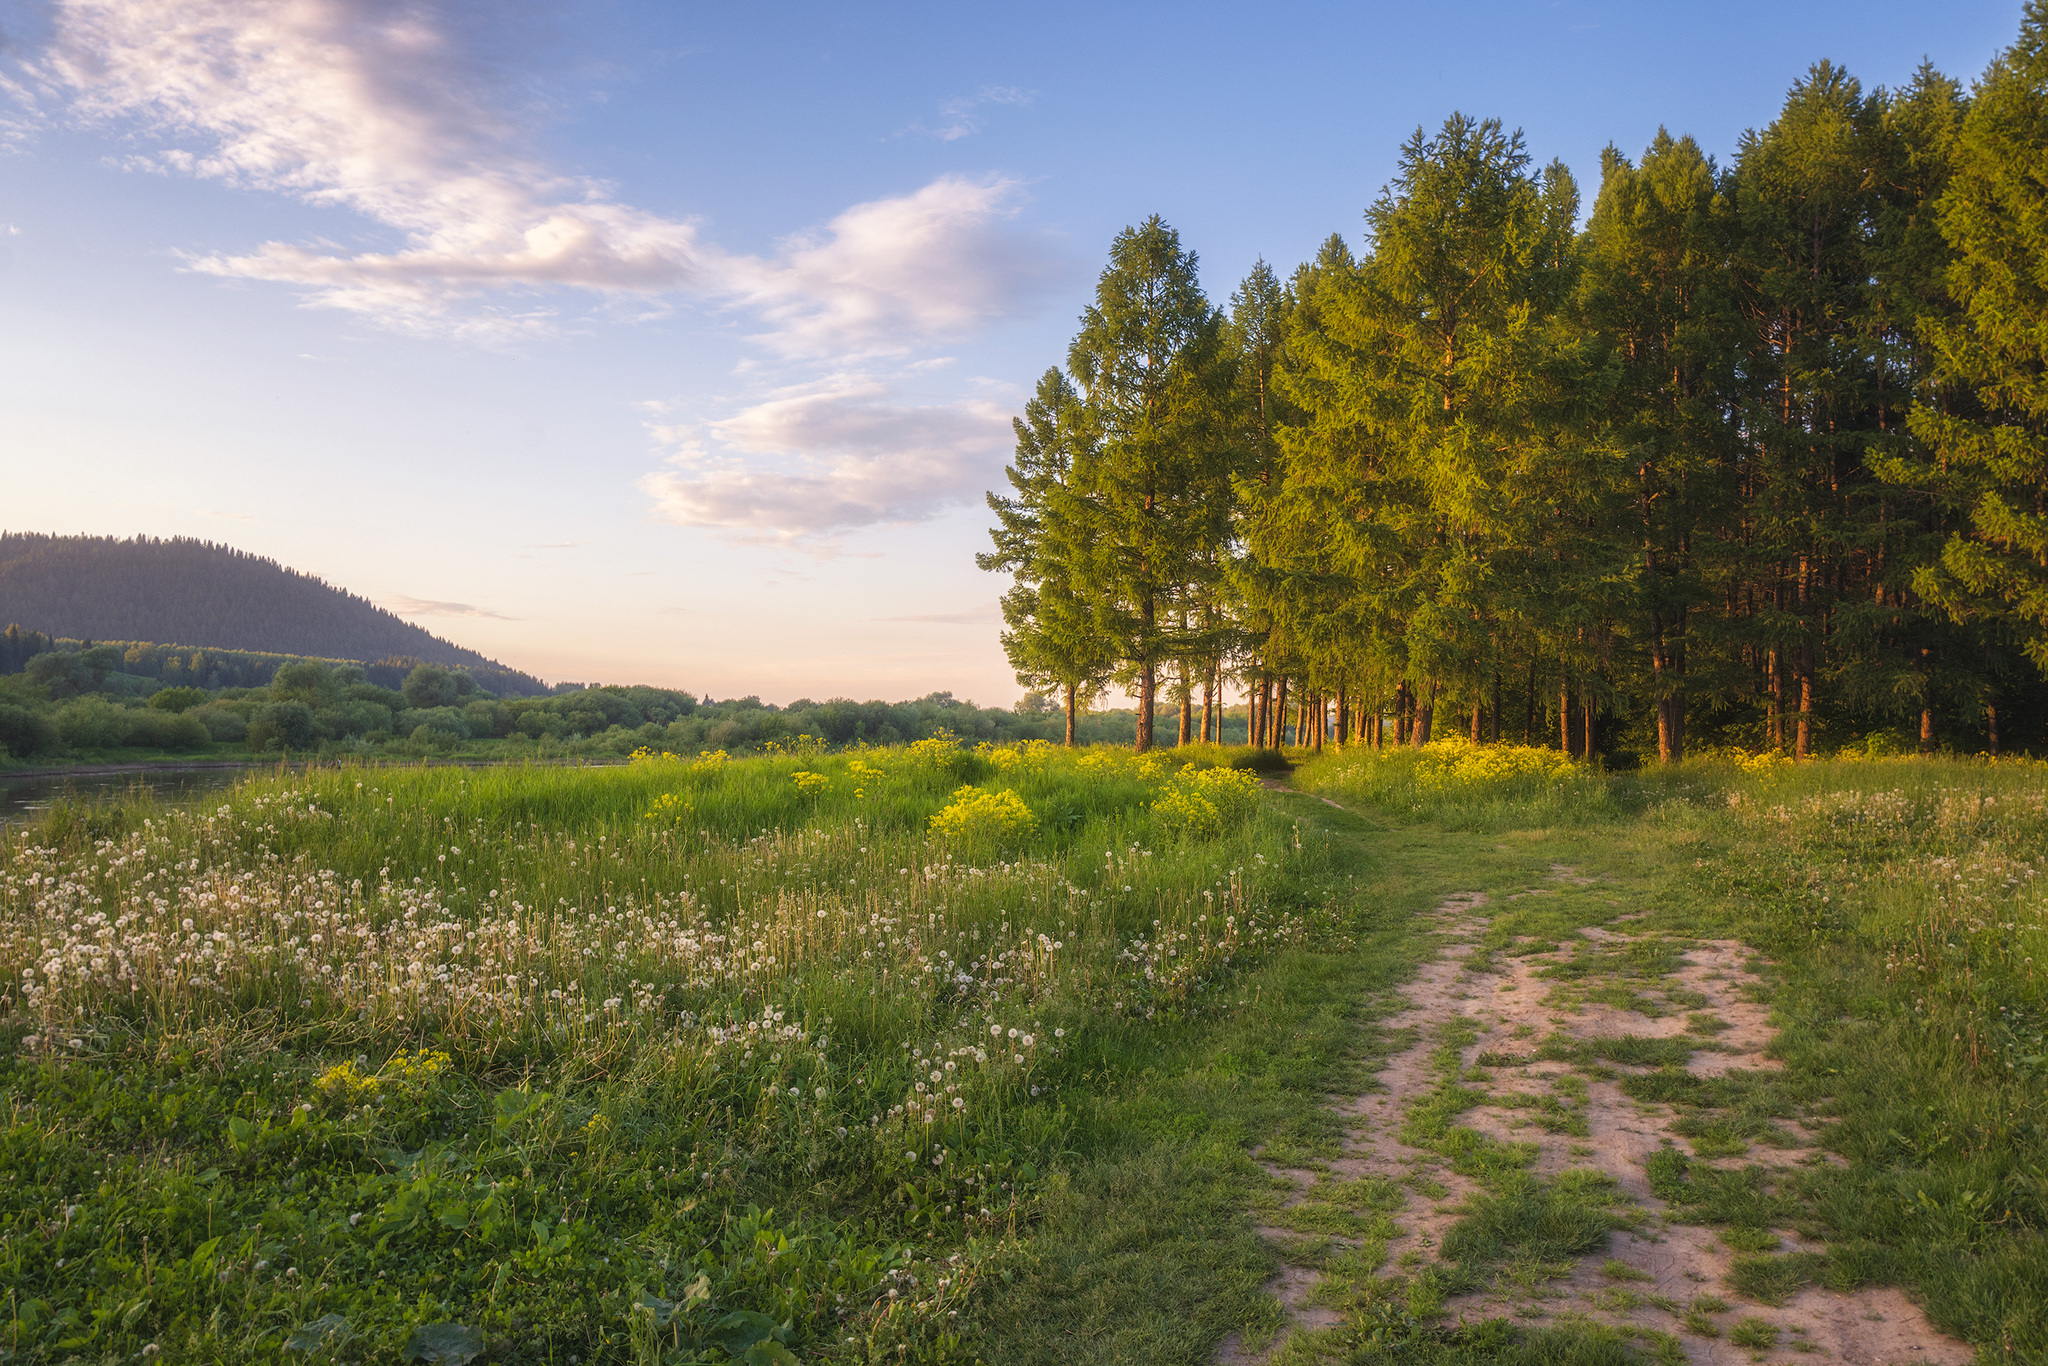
column 670, row 343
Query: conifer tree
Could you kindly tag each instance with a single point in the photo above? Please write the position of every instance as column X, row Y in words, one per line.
column 1654, row 295
column 1156, row 378
column 1992, row 446
column 1040, row 537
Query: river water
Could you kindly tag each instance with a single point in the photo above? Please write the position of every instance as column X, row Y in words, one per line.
column 22, row 798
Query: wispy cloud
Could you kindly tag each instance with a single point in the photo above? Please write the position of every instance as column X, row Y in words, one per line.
column 384, row 107
column 428, row 607
column 965, row 115
column 815, row 461
column 378, row 106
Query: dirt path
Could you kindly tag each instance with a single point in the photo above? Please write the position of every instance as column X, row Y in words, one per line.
column 1543, row 1040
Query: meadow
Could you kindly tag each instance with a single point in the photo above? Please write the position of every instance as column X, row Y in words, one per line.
column 689, row 1059
column 940, row 1053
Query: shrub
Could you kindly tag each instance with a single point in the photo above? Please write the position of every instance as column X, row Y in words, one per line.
column 977, row 815
column 92, row 723
column 24, row 732
column 222, row 723
column 1201, row 803
column 165, row 730
column 433, row 737
column 179, row 699
column 286, row 725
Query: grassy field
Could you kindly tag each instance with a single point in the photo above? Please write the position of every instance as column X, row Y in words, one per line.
column 946, row 1055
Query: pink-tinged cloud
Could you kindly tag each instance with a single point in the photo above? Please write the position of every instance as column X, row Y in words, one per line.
column 814, row 463
column 382, row 107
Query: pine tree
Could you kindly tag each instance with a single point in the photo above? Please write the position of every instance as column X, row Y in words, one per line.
column 1040, row 537
column 1992, row 447
column 1654, row 294
column 1156, row 377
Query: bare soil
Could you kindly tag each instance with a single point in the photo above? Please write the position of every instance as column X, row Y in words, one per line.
column 1658, row 1277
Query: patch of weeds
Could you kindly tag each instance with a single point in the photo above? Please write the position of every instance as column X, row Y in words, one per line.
column 1707, row 1195
column 1628, row 1050
column 1665, row 1348
column 1707, row 1023
column 1552, row 1114
column 1749, row 1240
column 1494, row 1058
column 1615, row 1269
column 1696, row 1322
column 1774, row 1280
column 1310, row 1252
column 1716, row 1142
column 1319, row 1216
column 1616, row 1300
column 1758, row 1333
column 1425, row 1187
column 1566, row 1219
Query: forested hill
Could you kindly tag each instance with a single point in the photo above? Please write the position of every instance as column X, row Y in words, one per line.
column 196, row 593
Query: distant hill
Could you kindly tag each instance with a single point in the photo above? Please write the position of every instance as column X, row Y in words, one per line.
column 196, row 593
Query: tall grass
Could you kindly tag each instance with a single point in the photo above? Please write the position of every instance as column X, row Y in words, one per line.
column 720, row 1056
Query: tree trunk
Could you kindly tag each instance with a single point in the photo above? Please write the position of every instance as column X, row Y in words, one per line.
column 1280, row 714
column 1991, row 724
column 1187, row 711
column 1343, row 716
column 1564, row 712
column 1586, row 733
column 1927, row 730
column 1208, row 707
column 1425, row 715
column 1805, row 744
column 1496, row 706
column 1529, row 716
column 1401, row 714
column 1073, row 707
column 1478, row 714
column 1148, row 703
column 1777, row 683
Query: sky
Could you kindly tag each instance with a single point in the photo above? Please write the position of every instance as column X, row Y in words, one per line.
column 674, row 343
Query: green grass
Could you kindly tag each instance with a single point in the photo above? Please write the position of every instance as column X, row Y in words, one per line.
column 714, row 1063
column 621, row 1172
column 1900, row 911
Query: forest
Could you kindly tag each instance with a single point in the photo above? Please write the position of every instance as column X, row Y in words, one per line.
column 74, row 701
column 181, row 589
column 1749, row 454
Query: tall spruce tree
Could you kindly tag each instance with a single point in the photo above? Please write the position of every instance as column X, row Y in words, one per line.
column 1157, row 380
column 1991, row 446
column 1655, row 297
column 1041, row 537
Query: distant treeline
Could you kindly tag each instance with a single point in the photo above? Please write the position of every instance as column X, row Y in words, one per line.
column 97, row 700
column 192, row 666
column 97, row 588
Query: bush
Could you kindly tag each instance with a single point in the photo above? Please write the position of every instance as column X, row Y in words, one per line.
column 287, row 725
column 446, row 719
column 24, row 733
column 92, row 723
column 1201, row 803
column 149, row 729
column 979, row 816
column 434, row 738
column 179, row 699
column 222, row 723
